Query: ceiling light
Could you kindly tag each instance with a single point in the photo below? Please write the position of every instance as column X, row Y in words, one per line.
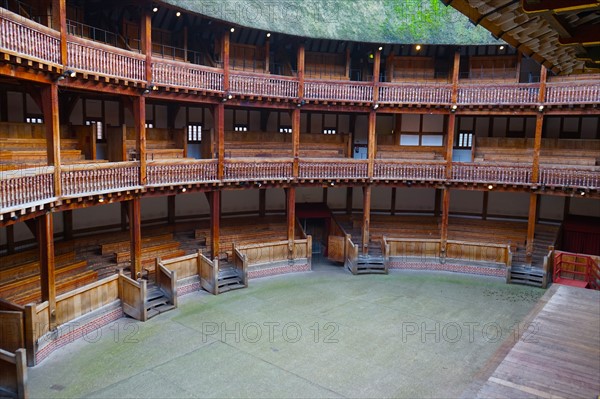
column 380, row 48
column 490, row 187
column 183, row 190
column 101, row 199
column 501, row 48
column 541, row 108
column 155, row 9
column 418, row 47
column 269, row 34
column 178, row 14
column 375, row 106
column 232, row 30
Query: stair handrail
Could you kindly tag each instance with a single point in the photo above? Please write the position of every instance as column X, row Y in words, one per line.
column 587, row 273
column 166, row 281
column 547, row 266
column 240, row 261
column 351, row 254
column 208, row 271
column 593, row 274
column 133, row 297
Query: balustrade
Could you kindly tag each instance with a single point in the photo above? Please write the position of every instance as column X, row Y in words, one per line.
column 24, row 186
column 574, row 93
column 417, row 170
column 395, row 93
column 271, row 169
column 81, row 179
column 164, row 172
column 24, row 37
column 574, row 178
column 518, row 93
column 263, row 85
column 88, row 56
column 181, row 74
column 338, row 91
column 333, row 169
column 491, row 173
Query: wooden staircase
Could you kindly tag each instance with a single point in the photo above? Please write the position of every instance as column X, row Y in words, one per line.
column 371, row 264
column 533, row 274
column 156, row 302
column 229, row 278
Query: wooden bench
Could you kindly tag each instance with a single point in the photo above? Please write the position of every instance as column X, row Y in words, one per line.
column 123, row 246
column 67, row 284
column 33, row 267
column 148, row 252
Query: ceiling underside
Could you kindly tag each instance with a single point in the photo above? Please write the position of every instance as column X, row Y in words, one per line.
column 563, row 35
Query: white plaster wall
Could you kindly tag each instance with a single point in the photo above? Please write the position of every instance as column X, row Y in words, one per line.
column 275, row 199
column 239, row 201
column 336, row 197
column 102, row 215
column 464, row 201
column 309, row 194
column 191, row 204
column 381, row 198
column 551, row 207
column 585, row 206
column 411, row 122
column 415, row 199
column 154, row 208
column 508, row 204
column 15, row 107
column 433, row 123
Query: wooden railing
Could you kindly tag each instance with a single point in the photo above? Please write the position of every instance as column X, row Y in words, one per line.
column 573, row 93
column 24, row 186
column 406, row 170
column 491, row 173
column 23, row 37
column 342, row 168
column 250, row 169
column 186, row 75
column 574, row 269
column 270, row 252
column 588, row 178
column 240, row 261
column 332, row 90
column 166, row 281
column 133, row 297
column 517, row 93
column 257, row 84
column 209, row 274
column 460, row 250
column 13, row 374
column 395, row 93
column 170, row 171
column 86, row 299
column 351, row 250
column 89, row 56
column 80, row 179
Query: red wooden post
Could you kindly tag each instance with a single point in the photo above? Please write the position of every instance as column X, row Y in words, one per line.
column 146, row 33
column 225, row 58
column 376, row 70
column 291, row 219
column 45, row 230
column 139, row 115
column 59, row 21
column 531, row 227
column 135, row 238
column 215, row 218
column 296, row 141
column 300, row 68
column 372, row 142
column 219, row 120
column 444, row 224
column 52, row 123
column 366, row 221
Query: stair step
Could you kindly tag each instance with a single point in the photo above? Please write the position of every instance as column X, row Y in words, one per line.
column 156, row 302
column 230, row 287
column 154, row 294
column 150, row 313
column 229, row 281
column 228, row 273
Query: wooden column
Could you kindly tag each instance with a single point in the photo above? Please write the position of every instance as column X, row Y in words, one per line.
column 67, row 224
column 455, row 77
column 219, row 120
column 262, row 202
column 444, row 224
column 139, row 116
column 349, row 200
column 301, row 71
column 215, row 219
column 376, row 70
column 171, row 199
column 539, row 124
column 135, row 237
column 290, row 194
column 366, row 219
column 225, row 57
column 52, row 123
column 10, row 238
column 372, row 142
column 59, row 22
column 450, row 144
column 45, row 236
column 146, row 40
column 296, row 141
column 393, row 204
column 486, row 200
column 531, row 227
column 437, row 202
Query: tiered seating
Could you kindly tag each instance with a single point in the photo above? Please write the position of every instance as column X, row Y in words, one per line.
column 158, row 246
column 386, row 151
column 245, row 231
column 20, row 282
column 30, row 152
column 246, row 57
column 553, row 151
column 160, row 144
column 325, row 66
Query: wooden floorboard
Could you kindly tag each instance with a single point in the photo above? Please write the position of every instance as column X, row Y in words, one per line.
column 562, row 357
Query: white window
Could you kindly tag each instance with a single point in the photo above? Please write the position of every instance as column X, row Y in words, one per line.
column 465, row 140
column 99, row 128
column 149, row 125
column 34, row 119
column 409, row 139
column 329, row 131
column 285, row 129
column 240, row 128
column 194, row 133
column 432, row 140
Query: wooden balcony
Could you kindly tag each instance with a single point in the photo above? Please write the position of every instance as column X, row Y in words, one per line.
column 262, row 85
column 26, row 186
column 333, row 169
column 252, row 169
column 397, row 93
column 334, row 90
column 493, row 173
column 186, row 76
column 181, row 171
column 573, row 93
column 498, row 94
column 429, row 171
column 99, row 178
column 583, row 178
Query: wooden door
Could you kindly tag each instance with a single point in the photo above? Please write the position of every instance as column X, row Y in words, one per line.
column 335, row 247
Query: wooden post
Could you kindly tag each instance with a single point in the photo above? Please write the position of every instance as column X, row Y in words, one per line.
column 52, row 123
column 262, row 202
column 372, row 142
column 539, row 124
column 376, row 70
column 444, row 224
column 486, row 200
column 139, row 116
column 366, row 219
column 215, row 219
column 437, row 202
column 291, row 219
column 455, row 77
column 393, row 204
column 450, row 144
column 59, row 22
column 135, row 238
column 67, row 224
column 45, row 236
column 349, row 200
column 146, row 39
column 171, row 209
column 225, row 57
column 219, row 120
column 296, row 141
column 531, row 227
column 300, row 66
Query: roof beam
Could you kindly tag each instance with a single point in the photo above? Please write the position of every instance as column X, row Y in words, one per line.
column 587, row 35
column 559, row 6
